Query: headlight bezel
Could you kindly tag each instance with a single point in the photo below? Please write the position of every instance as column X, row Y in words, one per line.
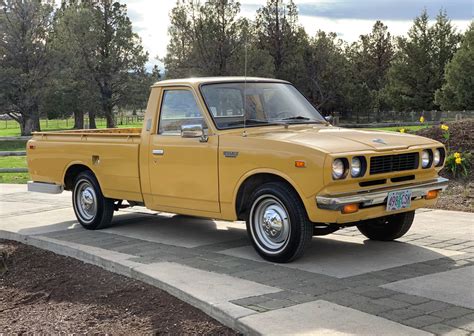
column 429, row 161
column 362, row 166
column 442, row 153
column 345, row 167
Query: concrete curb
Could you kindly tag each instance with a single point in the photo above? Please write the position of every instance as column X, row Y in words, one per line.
column 226, row 313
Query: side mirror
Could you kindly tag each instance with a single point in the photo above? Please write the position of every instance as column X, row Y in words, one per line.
column 328, row 118
column 193, row 131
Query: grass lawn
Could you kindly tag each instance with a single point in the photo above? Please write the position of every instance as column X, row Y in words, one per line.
column 407, row 128
column 14, row 178
column 19, row 145
column 13, row 162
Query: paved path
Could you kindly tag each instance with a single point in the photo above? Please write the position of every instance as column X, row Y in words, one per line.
column 422, row 284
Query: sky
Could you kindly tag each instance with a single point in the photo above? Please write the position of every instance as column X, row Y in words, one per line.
column 348, row 18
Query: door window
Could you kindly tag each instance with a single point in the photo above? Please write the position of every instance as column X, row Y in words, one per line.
column 179, row 108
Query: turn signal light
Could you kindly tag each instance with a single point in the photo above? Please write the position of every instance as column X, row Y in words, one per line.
column 300, row 164
column 432, row 194
column 350, row 208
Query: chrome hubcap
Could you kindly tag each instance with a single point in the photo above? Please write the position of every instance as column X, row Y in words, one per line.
column 86, row 201
column 270, row 224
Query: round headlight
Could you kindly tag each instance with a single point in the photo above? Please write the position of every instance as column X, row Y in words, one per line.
column 356, row 167
column 436, row 157
column 425, row 159
column 337, row 169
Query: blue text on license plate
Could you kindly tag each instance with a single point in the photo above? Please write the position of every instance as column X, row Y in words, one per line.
column 397, row 200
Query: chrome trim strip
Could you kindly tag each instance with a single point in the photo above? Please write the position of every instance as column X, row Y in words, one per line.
column 43, row 187
column 378, row 196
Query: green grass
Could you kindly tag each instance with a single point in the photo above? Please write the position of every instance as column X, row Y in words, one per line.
column 407, row 128
column 14, row 178
column 19, row 145
column 13, row 162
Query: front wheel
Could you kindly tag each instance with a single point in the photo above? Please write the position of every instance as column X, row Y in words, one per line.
column 387, row 228
column 92, row 209
column 277, row 223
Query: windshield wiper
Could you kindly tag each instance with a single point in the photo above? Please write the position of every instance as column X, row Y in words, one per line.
column 305, row 120
column 296, row 118
column 250, row 122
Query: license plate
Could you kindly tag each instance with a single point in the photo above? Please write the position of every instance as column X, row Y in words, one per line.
column 397, row 200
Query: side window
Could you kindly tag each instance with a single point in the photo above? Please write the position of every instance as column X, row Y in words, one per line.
column 179, row 108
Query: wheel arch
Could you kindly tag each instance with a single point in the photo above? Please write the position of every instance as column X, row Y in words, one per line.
column 71, row 172
column 250, row 181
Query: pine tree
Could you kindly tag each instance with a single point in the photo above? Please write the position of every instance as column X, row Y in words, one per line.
column 110, row 50
column 204, row 38
column 25, row 28
column 458, row 89
column 370, row 59
column 325, row 70
column 417, row 69
column 279, row 33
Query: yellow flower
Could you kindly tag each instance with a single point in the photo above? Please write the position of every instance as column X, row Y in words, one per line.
column 457, row 155
column 458, row 160
column 402, row 130
column 422, row 119
column 444, row 127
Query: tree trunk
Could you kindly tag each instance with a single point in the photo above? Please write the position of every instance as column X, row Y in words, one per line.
column 92, row 124
column 110, row 119
column 78, row 119
column 107, row 106
column 29, row 124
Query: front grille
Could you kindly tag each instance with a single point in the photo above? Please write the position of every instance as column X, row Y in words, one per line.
column 393, row 163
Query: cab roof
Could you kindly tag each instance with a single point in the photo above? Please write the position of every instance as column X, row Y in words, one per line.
column 206, row 80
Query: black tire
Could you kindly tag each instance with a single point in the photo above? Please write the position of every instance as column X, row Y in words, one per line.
column 387, row 228
column 97, row 214
column 296, row 229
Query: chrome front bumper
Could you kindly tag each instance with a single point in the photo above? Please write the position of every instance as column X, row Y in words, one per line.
column 378, row 196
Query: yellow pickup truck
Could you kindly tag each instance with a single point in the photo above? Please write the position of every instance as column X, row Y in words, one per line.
column 250, row 149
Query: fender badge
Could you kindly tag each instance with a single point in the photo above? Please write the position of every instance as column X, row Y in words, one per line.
column 231, row 154
column 380, row 141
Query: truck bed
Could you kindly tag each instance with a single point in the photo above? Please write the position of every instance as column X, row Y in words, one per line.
column 112, row 154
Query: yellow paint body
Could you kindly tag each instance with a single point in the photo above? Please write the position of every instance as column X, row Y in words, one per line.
column 196, row 178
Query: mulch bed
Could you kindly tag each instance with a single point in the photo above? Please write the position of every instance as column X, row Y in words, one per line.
column 44, row 293
column 462, row 135
column 460, row 193
column 459, row 196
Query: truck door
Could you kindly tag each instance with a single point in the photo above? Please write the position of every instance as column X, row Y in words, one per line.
column 183, row 170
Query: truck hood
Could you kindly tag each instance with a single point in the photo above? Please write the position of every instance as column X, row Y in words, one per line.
column 339, row 140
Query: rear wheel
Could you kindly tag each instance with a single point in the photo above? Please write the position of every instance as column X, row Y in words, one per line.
column 387, row 228
column 92, row 209
column 277, row 223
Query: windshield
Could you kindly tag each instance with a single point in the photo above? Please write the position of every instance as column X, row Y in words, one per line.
column 265, row 104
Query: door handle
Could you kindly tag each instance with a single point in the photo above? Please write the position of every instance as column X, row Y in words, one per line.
column 158, row 152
